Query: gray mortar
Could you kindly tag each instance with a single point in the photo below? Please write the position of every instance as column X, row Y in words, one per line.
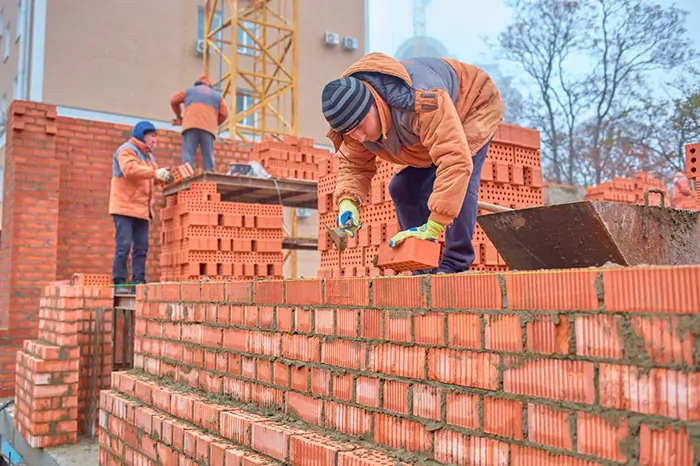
column 572, row 335
column 504, row 293
column 424, row 290
column 634, row 348
column 573, row 430
column 600, row 291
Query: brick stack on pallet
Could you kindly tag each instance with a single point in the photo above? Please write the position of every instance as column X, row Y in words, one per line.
column 628, row 190
column 294, row 158
column 511, row 177
column 202, row 236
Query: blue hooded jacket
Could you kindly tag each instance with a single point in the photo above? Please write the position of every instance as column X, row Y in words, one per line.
column 141, row 128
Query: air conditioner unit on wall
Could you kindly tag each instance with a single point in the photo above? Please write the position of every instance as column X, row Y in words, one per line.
column 200, row 47
column 331, row 38
column 349, row 43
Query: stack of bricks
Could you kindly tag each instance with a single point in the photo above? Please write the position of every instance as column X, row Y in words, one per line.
column 56, row 393
column 567, row 367
column 202, row 236
column 629, row 190
column 510, row 177
column 293, row 158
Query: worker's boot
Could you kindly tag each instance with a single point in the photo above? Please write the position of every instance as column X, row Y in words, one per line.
column 123, row 289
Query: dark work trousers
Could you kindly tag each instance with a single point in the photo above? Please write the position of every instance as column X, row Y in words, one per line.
column 193, row 138
column 410, row 190
column 130, row 230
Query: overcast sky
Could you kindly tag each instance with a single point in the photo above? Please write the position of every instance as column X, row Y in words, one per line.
column 463, row 25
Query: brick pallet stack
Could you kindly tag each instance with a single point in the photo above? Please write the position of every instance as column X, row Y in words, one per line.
column 511, row 177
column 628, row 190
column 203, row 236
column 294, row 158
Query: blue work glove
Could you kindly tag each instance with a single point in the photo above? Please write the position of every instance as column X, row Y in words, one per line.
column 428, row 231
column 348, row 217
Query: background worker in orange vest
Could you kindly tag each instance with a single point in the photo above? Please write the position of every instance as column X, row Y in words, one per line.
column 134, row 171
column 682, row 196
column 205, row 110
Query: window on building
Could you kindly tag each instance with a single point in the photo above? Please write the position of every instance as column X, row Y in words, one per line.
column 244, row 100
column 15, row 89
column 6, row 55
column 217, row 21
column 18, row 28
column 246, row 45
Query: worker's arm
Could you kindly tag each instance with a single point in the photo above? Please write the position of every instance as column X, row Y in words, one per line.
column 442, row 133
column 176, row 101
column 131, row 168
column 357, row 168
column 223, row 112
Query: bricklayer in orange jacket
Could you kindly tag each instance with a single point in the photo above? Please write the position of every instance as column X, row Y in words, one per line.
column 205, row 109
column 133, row 176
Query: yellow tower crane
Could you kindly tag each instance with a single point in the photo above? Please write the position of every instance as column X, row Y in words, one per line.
column 253, row 46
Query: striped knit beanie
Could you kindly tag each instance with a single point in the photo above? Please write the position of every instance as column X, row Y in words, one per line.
column 346, row 101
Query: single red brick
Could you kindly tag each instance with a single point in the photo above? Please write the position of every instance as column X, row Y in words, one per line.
column 346, row 322
column 549, row 426
column 637, row 289
column 564, row 290
column 348, row 419
column 371, row 326
column 395, row 396
column 426, row 402
column 411, row 254
column 503, row 417
column 367, row 391
column 397, row 325
column 462, row 409
column 304, row 292
column 664, row 446
column 464, row 330
column 469, row 291
column 503, row 332
column 548, row 334
column 598, row 437
column 268, row 292
column 401, row 291
column 347, row 291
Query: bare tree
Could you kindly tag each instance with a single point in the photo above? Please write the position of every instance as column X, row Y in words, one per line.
column 585, row 118
column 666, row 125
column 540, row 40
column 631, row 38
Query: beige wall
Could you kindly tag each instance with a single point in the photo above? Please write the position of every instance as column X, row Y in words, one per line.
column 129, row 59
column 9, row 67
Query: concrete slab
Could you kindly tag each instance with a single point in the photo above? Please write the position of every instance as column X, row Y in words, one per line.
column 83, row 453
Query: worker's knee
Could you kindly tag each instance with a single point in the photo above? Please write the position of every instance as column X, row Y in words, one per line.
column 400, row 191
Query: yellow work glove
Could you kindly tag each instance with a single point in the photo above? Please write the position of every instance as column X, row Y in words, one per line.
column 348, row 217
column 429, row 231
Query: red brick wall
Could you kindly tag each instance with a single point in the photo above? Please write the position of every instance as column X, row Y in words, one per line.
column 559, row 367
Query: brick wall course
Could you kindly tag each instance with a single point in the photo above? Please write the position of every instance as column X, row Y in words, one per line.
column 577, row 371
